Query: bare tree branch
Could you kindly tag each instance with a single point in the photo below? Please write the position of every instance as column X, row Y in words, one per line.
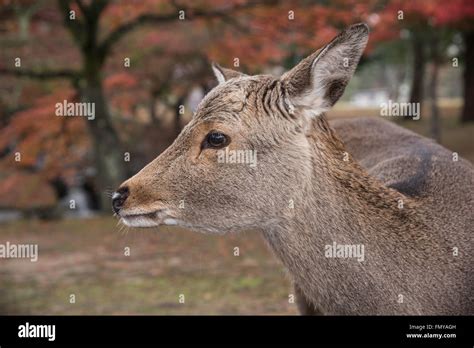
column 81, row 6
column 75, row 26
column 41, row 75
column 191, row 14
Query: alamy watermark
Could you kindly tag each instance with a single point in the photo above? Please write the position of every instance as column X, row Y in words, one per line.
column 395, row 109
column 19, row 251
column 237, row 157
column 28, row 330
column 76, row 109
column 345, row 251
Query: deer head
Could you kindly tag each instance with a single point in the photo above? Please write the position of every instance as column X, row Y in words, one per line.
column 246, row 149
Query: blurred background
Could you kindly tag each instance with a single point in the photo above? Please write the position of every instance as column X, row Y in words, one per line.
column 146, row 65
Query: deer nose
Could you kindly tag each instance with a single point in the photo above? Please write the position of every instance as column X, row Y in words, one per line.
column 119, row 197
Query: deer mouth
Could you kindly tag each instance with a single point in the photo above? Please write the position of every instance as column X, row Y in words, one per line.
column 151, row 219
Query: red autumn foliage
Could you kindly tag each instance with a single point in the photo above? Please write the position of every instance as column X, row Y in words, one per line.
column 259, row 36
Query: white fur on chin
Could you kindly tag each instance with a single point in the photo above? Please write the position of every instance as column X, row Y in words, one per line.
column 138, row 221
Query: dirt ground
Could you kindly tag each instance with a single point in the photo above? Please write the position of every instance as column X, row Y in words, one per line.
column 87, row 258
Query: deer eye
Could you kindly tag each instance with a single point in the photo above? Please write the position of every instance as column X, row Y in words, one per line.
column 216, row 140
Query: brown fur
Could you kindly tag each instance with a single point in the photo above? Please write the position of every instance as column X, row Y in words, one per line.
column 307, row 192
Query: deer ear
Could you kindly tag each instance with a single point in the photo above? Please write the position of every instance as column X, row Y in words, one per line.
column 319, row 80
column 223, row 74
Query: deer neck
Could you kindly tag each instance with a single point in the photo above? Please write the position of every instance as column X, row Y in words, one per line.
column 340, row 204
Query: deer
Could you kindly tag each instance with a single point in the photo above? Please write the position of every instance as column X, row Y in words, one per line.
column 319, row 186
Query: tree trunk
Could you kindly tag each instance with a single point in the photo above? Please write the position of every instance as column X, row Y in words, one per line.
column 468, row 109
column 434, row 120
column 108, row 154
column 418, row 77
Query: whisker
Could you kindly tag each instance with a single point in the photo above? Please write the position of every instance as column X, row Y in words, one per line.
column 109, row 192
